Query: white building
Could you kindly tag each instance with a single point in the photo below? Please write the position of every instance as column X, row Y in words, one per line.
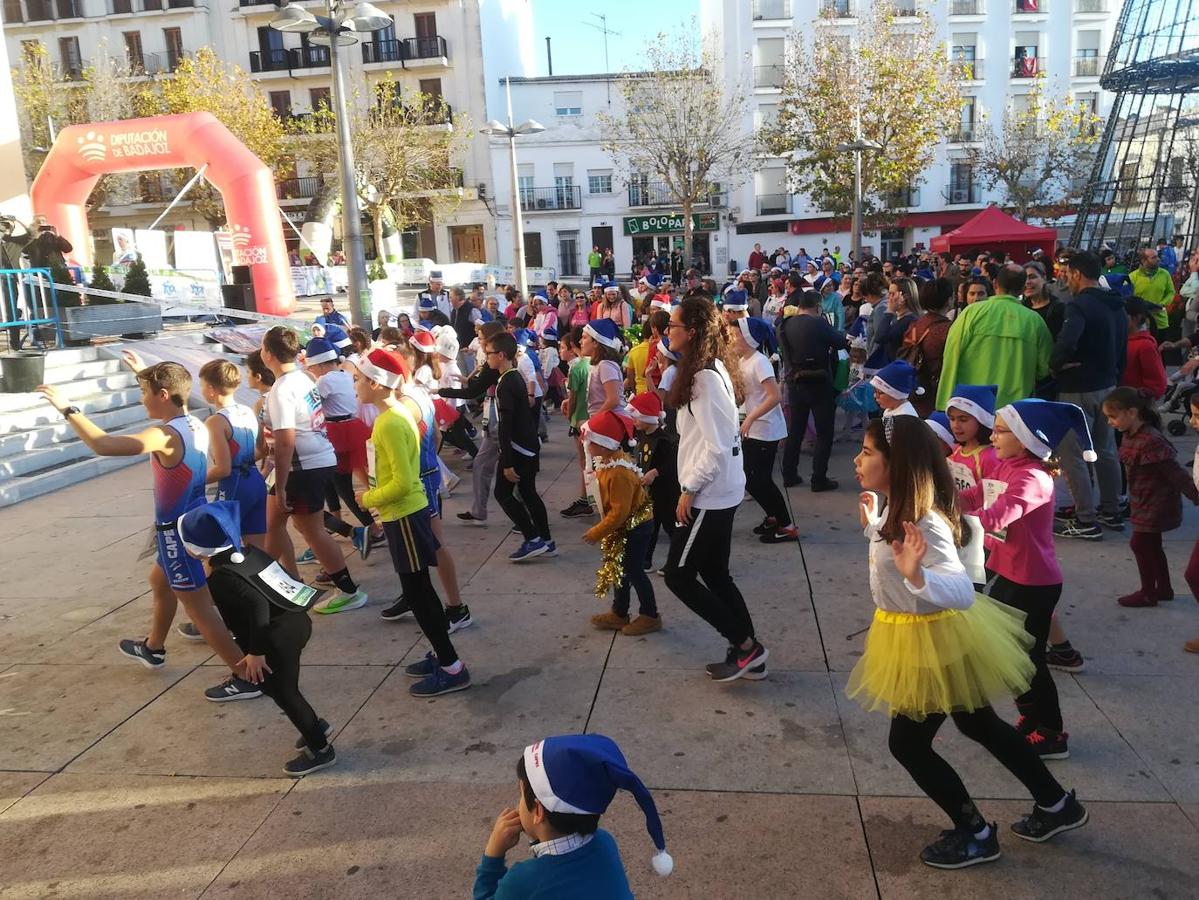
column 434, row 46
column 1002, row 43
column 572, row 195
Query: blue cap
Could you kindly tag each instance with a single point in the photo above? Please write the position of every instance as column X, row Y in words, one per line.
column 320, row 350
column 939, row 423
column 736, row 300
column 550, row 333
column 336, row 335
column 898, row 380
column 212, row 528
column 977, row 400
column 427, row 304
column 605, row 331
column 758, row 333
column 1040, row 425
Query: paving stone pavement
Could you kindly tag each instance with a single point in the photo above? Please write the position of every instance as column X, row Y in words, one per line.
column 118, row 781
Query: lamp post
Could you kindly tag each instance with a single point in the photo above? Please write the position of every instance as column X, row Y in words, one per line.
column 857, row 147
column 499, row 129
column 338, row 29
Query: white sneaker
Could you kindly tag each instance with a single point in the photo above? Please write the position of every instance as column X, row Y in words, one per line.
column 341, row 603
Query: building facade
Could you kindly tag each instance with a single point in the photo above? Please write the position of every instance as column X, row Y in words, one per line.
column 433, row 46
column 999, row 45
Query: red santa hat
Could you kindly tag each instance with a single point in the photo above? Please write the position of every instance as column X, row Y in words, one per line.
column 609, row 430
column 425, row 341
column 646, row 407
column 447, row 414
column 384, row 367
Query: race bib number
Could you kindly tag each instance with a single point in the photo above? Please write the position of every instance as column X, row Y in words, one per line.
column 282, row 584
column 991, row 491
column 963, row 478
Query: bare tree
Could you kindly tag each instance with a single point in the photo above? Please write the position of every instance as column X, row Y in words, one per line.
column 679, row 123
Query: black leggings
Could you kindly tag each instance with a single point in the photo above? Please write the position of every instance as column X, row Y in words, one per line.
column 701, row 549
column 759, row 479
column 343, row 485
column 636, row 549
column 457, row 436
column 1039, row 704
column 521, row 502
column 417, row 589
column 911, row 743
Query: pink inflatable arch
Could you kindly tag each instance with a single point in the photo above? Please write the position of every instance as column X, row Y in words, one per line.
column 82, row 153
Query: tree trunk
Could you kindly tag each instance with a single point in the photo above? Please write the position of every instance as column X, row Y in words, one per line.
column 687, row 236
column 377, row 221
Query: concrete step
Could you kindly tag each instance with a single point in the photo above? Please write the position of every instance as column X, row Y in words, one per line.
column 72, row 390
column 27, row 487
column 36, row 416
column 60, row 454
column 38, row 438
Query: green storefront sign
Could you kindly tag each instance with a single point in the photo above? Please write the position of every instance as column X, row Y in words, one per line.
column 669, row 223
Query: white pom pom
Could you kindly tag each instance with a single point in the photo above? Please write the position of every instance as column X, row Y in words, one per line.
column 919, row 392
column 1090, row 455
column 237, row 558
column 663, row 863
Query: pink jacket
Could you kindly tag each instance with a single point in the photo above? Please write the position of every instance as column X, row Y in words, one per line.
column 1019, row 523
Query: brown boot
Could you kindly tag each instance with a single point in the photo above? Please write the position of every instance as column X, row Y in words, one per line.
column 610, row 621
column 1191, row 646
column 642, row 625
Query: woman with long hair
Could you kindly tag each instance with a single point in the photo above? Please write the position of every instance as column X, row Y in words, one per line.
column 706, row 393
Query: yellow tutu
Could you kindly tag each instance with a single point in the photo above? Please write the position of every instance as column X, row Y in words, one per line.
column 948, row 661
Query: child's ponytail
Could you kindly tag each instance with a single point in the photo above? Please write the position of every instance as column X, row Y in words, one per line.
column 1135, row 398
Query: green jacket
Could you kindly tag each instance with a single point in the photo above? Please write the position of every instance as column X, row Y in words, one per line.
column 1157, row 289
column 594, row 260
column 996, row 341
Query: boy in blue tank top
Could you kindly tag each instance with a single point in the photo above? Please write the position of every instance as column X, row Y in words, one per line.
column 178, row 451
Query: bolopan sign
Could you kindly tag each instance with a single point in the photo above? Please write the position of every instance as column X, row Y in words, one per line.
column 669, row 223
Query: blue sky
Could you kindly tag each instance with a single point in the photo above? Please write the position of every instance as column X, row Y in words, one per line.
column 579, row 49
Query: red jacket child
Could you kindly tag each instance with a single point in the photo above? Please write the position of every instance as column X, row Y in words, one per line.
column 1144, row 369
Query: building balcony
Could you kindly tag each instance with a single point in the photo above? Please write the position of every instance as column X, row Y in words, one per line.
column 1030, row 7
column 961, row 194
column 967, row 8
column 1088, row 66
column 1090, row 7
column 1028, row 66
column 838, row 9
column 427, row 50
column 298, row 188
column 968, row 69
column 381, row 51
column 285, row 59
column 773, row 204
column 965, row 133
column 904, row 199
column 905, row 9
column 771, row 9
column 657, row 193
column 125, row 7
column 41, row 11
column 411, row 114
column 310, row 57
column 550, row 199
column 768, row 76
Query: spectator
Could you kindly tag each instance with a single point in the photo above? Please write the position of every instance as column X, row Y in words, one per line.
column 1143, row 368
column 1167, row 255
column 928, row 335
column 757, row 257
column 903, row 308
column 1190, row 296
column 1088, row 358
column 1153, row 283
column 1040, row 299
column 997, row 342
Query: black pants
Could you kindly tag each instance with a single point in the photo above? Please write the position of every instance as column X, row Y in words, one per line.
column 342, row 486
column 758, row 459
column 636, row 551
column 520, row 502
column 911, row 743
column 286, row 637
column 1039, row 703
column 456, row 436
column 417, row 589
column 819, row 400
column 701, row 549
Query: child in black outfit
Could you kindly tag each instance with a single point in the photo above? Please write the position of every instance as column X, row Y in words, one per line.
column 657, row 457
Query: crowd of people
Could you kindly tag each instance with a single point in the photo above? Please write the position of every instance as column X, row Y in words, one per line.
column 968, row 382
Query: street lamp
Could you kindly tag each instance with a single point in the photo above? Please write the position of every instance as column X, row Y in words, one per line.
column 857, row 147
column 337, row 29
column 510, row 131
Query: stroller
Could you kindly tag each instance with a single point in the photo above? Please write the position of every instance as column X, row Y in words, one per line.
column 1177, row 404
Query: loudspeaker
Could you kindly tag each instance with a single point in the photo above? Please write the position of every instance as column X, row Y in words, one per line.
column 239, row 296
column 241, row 275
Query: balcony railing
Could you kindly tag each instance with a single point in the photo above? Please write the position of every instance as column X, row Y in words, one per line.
column 284, row 59
column 771, row 9
column 152, row 64
column 434, row 114
column 657, row 193
column 310, row 57
column 117, row 7
column 768, row 76
column 381, row 51
column 1029, row 7
column 838, row 9
column 905, row 9
column 773, row 204
column 424, row 48
column 297, row 188
column 1087, row 66
column 968, row 69
column 967, row 8
column 404, row 50
column 1090, row 6
column 43, row 10
column 1028, row 66
column 964, row 133
column 550, row 198
column 903, row 199
column 963, row 193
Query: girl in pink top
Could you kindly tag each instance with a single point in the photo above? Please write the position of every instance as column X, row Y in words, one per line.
column 1022, row 568
column 971, row 412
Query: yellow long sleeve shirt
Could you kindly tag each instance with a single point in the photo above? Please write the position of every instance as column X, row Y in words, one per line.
column 398, row 491
column 621, row 494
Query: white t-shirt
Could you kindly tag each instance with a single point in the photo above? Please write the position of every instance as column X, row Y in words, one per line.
column 666, row 382
column 424, row 377
column 337, row 393
column 451, row 377
column 773, row 426
column 528, row 372
column 549, row 360
column 295, row 402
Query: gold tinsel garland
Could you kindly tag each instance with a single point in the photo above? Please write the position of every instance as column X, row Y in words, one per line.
column 612, row 547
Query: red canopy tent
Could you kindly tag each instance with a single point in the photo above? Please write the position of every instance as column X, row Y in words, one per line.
column 994, row 230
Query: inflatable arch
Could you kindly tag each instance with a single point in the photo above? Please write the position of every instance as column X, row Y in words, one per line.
column 83, row 153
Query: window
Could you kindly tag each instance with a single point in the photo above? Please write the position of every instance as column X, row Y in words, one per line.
column 320, row 98
column 174, row 42
column 122, row 6
column 30, row 50
column 568, row 253
column 966, row 123
column 269, row 39
column 426, row 25
column 524, row 184
column 133, row 50
column 599, row 181
column 431, row 86
column 568, row 103
column 68, row 54
column 281, row 104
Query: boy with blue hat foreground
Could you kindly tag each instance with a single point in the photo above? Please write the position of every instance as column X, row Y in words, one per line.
column 566, row 784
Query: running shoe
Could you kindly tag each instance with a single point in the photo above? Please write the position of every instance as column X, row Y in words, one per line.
column 1136, row 600
column 1125, row 508
column 1112, row 523
column 788, row 535
column 306, row 557
column 1041, row 824
column 310, row 761
column 528, row 550
column 233, row 688
column 765, row 525
column 578, row 509
column 325, row 727
column 551, row 549
column 341, row 603
column 396, row 610
column 1064, row 659
column 1024, row 725
column 468, row 518
column 458, row 617
column 757, row 673
column 189, row 632
column 824, row 484
column 441, row 682
column 424, row 667
column 151, row 659
column 1063, row 514
column 362, row 542
column 1072, row 528
column 958, row 848
column 742, row 662
column 792, row 480
column 323, row 578
column 1048, row 744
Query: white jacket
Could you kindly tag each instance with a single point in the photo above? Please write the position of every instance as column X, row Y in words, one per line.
column 710, row 463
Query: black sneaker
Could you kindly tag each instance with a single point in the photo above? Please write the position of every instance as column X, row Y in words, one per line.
column 740, row 663
column 1125, row 509
column 468, row 518
column 311, row 761
column 233, row 688
column 1113, row 523
column 756, row 673
column 325, row 727
column 1065, row 659
column 787, row 535
column 957, row 849
column 1063, row 514
column 151, row 659
column 577, row 510
column 1049, row 744
column 1024, row 725
column 397, row 610
column 1041, row 824
column 422, row 668
column 765, row 525
column 824, row 484
column 792, row 480
column 189, row 632
column 1072, row 528
column 458, row 617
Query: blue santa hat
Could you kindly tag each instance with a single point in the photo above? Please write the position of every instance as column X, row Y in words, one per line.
column 758, row 333
column 320, row 350
column 654, row 279
column 1040, row 425
column 605, row 331
column 524, row 337
column 736, row 300
column 611, row 286
column 977, row 400
column 897, row 380
column 581, row 773
column 211, row 529
column 336, row 335
column 550, row 333
column 427, row 304
column 664, row 349
column 939, row 423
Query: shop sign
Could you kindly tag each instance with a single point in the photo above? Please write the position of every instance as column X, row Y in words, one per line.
column 669, row 223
